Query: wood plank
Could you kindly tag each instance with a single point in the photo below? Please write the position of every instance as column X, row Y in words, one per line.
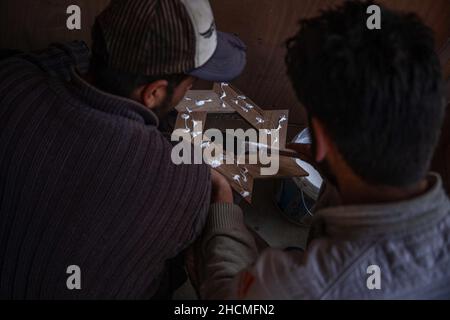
column 34, row 24
column 275, row 119
column 203, row 100
column 242, row 177
column 243, row 184
column 444, row 56
column 241, row 174
column 186, row 121
column 264, row 25
column 242, row 104
column 287, row 168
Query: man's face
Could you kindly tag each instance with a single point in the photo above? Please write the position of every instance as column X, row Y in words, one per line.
column 172, row 100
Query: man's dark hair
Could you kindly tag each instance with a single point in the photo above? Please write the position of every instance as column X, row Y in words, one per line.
column 378, row 92
column 118, row 82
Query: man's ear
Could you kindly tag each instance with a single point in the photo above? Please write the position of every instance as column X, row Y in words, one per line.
column 153, row 94
column 321, row 140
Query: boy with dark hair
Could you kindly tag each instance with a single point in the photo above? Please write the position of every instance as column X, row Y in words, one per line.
column 376, row 106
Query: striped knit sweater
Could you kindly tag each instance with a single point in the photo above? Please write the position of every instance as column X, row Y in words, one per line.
column 86, row 179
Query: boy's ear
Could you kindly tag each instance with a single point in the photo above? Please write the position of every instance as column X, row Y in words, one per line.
column 321, row 140
column 153, row 94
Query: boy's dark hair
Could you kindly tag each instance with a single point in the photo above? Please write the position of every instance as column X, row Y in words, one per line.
column 118, row 82
column 378, row 92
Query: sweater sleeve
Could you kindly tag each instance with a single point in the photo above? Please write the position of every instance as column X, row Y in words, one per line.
column 233, row 269
column 227, row 248
column 59, row 58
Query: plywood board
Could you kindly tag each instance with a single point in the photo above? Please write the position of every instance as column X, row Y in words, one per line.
column 241, row 177
column 242, row 104
column 190, row 122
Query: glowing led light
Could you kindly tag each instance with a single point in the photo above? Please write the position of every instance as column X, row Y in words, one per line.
column 200, row 103
column 205, row 144
column 245, row 194
column 185, row 117
column 242, row 177
column 215, row 163
column 224, row 94
column 244, row 174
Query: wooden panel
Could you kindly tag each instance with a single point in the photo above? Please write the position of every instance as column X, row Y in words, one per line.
column 240, row 173
column 191, row 122
column 239, row 179
column 241, row 104
column 288, row 168
column 276, row 119
column 441, row 161
column 33, row 24
column 204, row 100
column 264, row 25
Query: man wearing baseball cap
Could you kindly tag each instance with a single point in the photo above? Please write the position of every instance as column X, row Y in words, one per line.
column 91, row 205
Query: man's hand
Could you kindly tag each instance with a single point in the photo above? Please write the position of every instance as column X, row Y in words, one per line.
column 221, row 189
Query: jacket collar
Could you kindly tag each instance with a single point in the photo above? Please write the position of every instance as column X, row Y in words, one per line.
column 390, row 219
column 112, row 104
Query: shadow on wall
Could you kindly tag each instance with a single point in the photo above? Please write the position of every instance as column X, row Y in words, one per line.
column 263, row 24
column 34, row 24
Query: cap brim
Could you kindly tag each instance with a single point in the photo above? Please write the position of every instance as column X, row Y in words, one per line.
column 227, row 62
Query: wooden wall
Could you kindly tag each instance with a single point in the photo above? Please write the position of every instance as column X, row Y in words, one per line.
column 263, row 24
column 33, row 24
column 441, row 161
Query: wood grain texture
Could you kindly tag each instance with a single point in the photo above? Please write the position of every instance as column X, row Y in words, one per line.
column 241, row 104
column 191, row 119
column 441, row 160
column 264, row 25
column 444, row 55
column 245, row 182
column 34, row 24
column 240, row 171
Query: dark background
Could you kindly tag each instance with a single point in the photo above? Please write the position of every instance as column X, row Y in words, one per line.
column 263, row 24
